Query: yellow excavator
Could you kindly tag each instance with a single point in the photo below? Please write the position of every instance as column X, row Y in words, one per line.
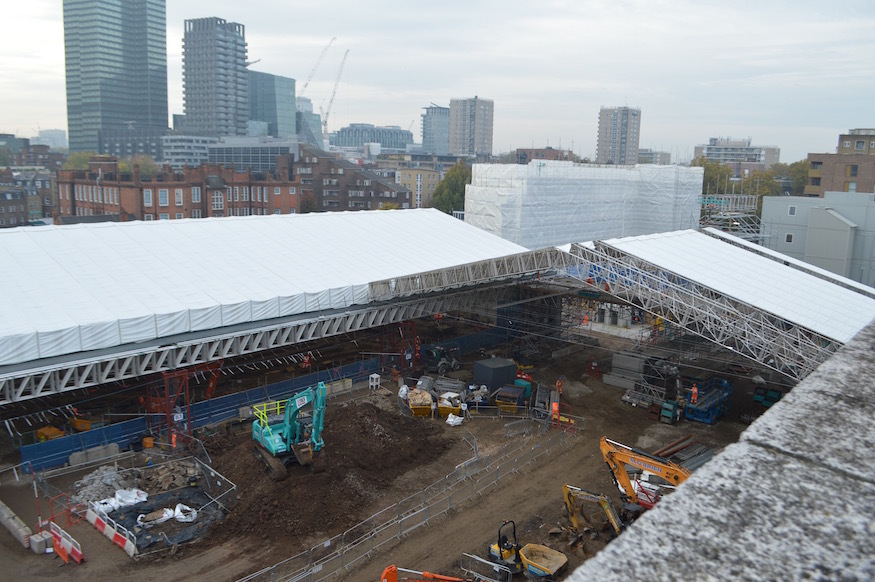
column 575, row 497
column 640, row 491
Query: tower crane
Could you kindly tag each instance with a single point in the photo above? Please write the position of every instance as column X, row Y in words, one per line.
column 316, row 66
column 327, row 110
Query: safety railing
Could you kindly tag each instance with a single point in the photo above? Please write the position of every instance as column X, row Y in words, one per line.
column 474, row 477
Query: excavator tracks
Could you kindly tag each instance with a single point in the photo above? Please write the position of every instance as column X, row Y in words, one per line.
column 276, row 469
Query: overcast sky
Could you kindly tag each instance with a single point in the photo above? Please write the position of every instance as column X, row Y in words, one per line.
column 793, row 74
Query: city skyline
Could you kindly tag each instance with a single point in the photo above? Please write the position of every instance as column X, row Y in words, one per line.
column 789, row 74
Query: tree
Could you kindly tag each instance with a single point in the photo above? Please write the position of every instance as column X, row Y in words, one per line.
column 507, row 158
column 78, row 161
column 390, row 206
column 308, row 203
column 148, row 167
column 717, row 175
column 798, row 177
column 449, row 195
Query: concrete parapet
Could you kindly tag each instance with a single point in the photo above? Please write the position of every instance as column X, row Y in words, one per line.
column 15, row 526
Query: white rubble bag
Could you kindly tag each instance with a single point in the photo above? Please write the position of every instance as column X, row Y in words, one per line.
column 155, row 517
column 126, row 497
column 454, row 420
column 107, row 505
column 184, row 513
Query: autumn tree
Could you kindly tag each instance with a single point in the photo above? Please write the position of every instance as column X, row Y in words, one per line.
column 449, row 195
column 77, row 161
column 796, row 173
column 717, row 175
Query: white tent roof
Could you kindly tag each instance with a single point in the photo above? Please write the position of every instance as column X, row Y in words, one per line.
column 833, row 311
column 83, row 287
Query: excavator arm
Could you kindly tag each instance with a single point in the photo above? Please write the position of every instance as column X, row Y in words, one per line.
column 573, row 494
column 617, row 456
column 390, row 574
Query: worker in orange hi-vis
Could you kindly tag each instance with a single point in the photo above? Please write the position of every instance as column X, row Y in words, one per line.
column 173, row 439
column 694, row 395
column 560, row 384
column 555, row 410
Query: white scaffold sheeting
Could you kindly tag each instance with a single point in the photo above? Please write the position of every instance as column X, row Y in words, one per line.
column 76, row 288
column 549, row 203
column 793, row 295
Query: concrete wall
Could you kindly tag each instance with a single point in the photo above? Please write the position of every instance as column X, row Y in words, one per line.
column 830, row 241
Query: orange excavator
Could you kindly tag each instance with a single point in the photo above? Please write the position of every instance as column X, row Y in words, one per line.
column 639, row 491
column 390, row 574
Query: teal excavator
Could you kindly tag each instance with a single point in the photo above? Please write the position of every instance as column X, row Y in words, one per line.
column 287, row 431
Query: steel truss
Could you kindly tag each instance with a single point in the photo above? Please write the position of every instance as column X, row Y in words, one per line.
column 771, row 341
column 84, row 372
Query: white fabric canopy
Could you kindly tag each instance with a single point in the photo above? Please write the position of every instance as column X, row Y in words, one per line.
column 75, row 288
column 793, row 295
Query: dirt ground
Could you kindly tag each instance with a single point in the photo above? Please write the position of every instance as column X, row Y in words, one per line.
column 374, row 457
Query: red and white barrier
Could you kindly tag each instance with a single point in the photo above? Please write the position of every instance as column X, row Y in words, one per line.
column 65, row 546
column 113, row 531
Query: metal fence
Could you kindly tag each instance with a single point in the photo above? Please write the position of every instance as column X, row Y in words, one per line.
column 336, row 556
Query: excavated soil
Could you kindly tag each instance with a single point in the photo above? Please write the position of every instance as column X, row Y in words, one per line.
column 366, row 448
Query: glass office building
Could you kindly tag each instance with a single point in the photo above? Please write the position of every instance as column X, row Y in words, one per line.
column 116, row 65
column 272, row 100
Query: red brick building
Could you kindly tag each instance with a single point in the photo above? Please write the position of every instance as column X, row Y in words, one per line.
column 198, row 192
column 526, row 155
column 332, row 184
column 852, row 169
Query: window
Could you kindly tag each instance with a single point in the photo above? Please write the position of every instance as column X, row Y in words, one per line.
column 147, row 217
column 292, row 191
column 196, row 194
column 850, row 186
column 179, row 216
column 791, row 211
column 163, row 197
column 306, row 181
column 245, row 193
column 851, row 171
column 276, row 211
column 230, row 194
column 163, row 216
column 196, row 213
column 846, row 144
column 815, row 181
column 236, row 194
column 292, row 211
column 859, row 144
column 872, row 144
column 276, row 191
column 816, row 165
column 218, row 200
column 147, row 198
column 178, row 196
column 788, row 238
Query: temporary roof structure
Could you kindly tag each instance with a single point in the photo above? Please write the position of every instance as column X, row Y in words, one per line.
column 84, row 287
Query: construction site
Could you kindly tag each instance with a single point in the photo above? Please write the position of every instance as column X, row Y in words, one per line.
column 467, row 408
